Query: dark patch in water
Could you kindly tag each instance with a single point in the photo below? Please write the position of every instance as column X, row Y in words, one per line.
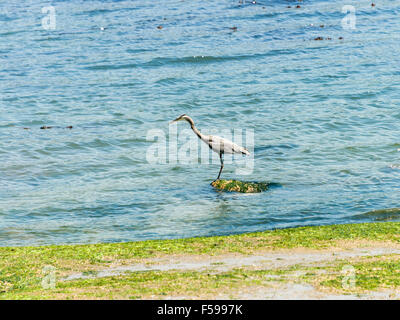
column 382, row 214
column 48, row 127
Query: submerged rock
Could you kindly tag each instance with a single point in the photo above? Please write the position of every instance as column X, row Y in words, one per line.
column 240, row 186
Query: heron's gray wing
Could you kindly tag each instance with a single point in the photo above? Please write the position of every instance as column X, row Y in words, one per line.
column 223, row 145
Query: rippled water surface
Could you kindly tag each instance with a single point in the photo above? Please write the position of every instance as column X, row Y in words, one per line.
column 325, row 116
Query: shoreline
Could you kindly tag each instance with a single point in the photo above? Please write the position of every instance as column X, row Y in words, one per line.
column 346, row 261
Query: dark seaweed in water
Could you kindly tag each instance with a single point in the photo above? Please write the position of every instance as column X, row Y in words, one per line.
column 382, row 214
column 49, row 127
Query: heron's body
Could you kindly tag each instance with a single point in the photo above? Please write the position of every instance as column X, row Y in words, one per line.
column 216, row 143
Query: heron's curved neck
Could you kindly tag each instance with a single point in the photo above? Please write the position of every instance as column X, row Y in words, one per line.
column 195, row 130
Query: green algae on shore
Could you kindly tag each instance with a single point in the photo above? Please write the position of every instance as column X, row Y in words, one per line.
column 240, row 186
column 22, row 269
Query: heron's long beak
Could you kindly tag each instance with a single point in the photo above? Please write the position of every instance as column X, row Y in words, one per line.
column 177, row 119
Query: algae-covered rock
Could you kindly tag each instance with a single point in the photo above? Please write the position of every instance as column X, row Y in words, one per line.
column 240, row 186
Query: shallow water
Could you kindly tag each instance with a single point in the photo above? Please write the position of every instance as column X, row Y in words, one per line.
column 325, row 117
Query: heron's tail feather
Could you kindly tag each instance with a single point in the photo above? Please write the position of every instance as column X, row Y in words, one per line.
column 238, row 149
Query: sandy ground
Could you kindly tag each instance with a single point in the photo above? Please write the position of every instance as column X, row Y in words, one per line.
column 264, row 261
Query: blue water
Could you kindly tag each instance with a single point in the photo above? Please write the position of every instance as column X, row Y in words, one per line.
column 325, row 116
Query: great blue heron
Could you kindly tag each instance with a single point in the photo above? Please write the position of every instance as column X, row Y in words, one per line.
column 217, row 144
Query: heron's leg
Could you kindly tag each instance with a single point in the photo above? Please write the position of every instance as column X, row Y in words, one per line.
column 222, row 165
